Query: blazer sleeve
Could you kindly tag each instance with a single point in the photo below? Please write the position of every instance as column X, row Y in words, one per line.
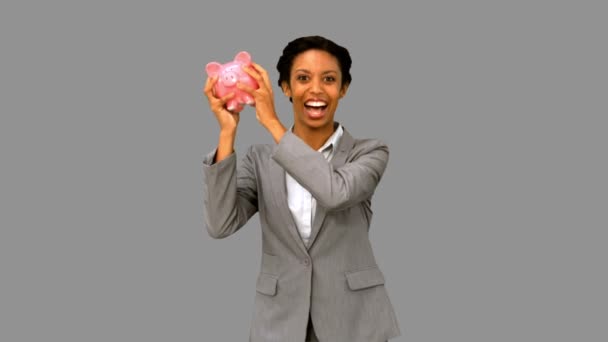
column 333, row 188
column 229, row 194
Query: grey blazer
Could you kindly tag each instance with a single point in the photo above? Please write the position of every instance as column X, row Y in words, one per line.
column 335, row 277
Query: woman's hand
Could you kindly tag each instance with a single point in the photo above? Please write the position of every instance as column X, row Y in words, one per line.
column 264, row 100
column 227, row 120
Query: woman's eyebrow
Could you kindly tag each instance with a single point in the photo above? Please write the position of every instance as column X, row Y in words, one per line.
column 323, row 73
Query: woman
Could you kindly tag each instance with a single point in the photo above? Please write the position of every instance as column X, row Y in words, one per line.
column 319, row 280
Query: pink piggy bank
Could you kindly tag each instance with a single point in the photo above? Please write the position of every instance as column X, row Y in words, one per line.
column 229, row 74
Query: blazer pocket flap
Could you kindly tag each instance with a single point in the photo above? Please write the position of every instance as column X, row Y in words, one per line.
column 365, row 278
column 267, row 284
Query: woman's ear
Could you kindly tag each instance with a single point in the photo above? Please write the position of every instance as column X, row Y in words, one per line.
column 343, row 90
column 286, row 89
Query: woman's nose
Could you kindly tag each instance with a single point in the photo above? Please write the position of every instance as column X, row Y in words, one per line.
column 315, row 86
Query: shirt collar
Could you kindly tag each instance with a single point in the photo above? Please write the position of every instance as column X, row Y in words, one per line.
column 333, row 140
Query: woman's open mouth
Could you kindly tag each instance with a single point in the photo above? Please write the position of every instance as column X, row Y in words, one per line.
column 315, row 109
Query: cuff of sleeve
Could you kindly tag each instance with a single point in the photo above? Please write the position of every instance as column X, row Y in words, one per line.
column 209, row 165
column 290, row 148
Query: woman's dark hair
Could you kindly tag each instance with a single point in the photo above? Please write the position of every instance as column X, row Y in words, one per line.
column 302, row 44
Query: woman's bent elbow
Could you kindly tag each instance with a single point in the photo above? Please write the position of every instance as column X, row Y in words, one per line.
column 219, row 230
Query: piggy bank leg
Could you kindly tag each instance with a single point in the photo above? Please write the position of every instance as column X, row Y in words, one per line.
column 234, row 106
column 248, row 99
column 231, row 105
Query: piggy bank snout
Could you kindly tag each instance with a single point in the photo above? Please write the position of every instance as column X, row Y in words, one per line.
column 229, row 79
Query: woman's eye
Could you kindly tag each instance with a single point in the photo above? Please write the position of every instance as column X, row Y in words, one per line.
column 302, row 77
column 330, row 79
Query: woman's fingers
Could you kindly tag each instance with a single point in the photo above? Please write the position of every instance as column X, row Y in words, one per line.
column 252, row 72
column 261, row 76
column 248, row 89
column 258, row 73
column 227, row 97
column 217, row 104
column 262, row 72
column 208, row 89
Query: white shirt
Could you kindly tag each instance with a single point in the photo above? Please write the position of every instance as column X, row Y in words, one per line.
column 301, row 203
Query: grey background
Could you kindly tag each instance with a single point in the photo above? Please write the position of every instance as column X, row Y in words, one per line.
column 490, row 223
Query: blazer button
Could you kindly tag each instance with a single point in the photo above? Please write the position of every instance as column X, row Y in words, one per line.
column 306, row 261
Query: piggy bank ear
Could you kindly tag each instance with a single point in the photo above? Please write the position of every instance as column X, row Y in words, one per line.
column 213, row 69
column 243, row 57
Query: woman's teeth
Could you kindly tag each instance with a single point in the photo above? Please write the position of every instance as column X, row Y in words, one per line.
column 315, row 104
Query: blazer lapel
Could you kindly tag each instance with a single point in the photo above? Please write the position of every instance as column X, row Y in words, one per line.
column 344, row 146
column 277, row 174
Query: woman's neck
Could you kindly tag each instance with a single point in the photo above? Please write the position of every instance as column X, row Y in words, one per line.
column 314, row 137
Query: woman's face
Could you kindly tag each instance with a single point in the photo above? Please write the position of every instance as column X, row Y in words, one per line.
column 315, row 86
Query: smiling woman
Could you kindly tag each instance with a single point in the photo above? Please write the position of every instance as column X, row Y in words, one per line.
column 318, row 280
column 315, row 88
